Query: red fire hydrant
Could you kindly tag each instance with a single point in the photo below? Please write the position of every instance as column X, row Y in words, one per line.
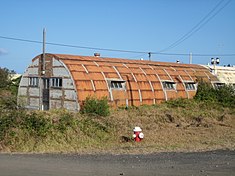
column 138, row 135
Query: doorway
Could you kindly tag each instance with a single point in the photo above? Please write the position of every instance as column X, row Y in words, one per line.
column 46, row 94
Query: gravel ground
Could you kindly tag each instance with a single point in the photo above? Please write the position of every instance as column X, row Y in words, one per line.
column 220, row 162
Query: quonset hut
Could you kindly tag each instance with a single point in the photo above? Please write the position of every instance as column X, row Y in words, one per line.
column 64, row 81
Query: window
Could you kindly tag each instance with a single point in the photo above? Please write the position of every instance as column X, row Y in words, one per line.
column 117, row 84
column 169, row 85
column 56, row 82
column 218, row 85
column 190, row 86
column 33, row 81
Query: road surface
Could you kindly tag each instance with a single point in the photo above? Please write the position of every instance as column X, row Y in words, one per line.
column 214, row 163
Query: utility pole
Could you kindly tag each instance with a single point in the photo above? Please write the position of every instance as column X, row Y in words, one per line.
column 149, row 56
column 190, row 58
column 43, row 68
column 43, row 51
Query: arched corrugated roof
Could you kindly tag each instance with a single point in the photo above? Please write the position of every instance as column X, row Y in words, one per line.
column 145, row 81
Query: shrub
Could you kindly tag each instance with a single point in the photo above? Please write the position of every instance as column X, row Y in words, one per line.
column 65, row 121
column 205, row 92
column 95, row 106
column 180, row 103
column 7, row 100
column 36, row 124
column 224, row 95
column 5, row 80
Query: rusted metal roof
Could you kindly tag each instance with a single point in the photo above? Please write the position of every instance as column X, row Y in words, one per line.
column 146, row 82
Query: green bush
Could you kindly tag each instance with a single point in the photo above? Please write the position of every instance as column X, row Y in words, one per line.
column 93, row 128
column 7, row 100
column 36, row 124
column 181, row 103
column 65, row 121
column 224, row 95
column 5, row 79
column 205, row 92
column 95, row 106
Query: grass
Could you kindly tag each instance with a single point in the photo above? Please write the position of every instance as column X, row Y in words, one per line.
column 171, row 126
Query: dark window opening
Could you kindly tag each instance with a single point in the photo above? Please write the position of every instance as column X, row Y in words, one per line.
column 33, row 81
column 117, row 84
column 56, row 82
column 190, row 86
column 218, row 85
column 168, row 85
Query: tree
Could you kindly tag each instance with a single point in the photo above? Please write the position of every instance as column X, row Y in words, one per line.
column 5, row 78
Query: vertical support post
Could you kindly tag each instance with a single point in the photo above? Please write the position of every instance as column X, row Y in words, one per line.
column 190, row 58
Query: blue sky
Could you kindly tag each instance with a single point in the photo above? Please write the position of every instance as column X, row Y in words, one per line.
column 136, row 25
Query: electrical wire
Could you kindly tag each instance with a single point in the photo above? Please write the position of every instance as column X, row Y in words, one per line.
column 199, row 25
column 72, row 46
column 111, row 50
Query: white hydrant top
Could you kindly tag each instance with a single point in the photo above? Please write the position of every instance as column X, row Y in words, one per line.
column 137, row 129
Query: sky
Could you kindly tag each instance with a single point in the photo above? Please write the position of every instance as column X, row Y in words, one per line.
column 142, row 26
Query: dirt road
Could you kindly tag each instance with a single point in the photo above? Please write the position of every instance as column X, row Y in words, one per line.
column 204, row 163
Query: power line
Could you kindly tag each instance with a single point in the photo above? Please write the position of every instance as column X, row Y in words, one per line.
column 72, row 46
column 198, row 26
column 111, row 50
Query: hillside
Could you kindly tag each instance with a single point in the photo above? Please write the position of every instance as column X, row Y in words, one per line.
column 180, row 125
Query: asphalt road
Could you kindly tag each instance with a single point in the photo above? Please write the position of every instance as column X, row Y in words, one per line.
column 205, row 163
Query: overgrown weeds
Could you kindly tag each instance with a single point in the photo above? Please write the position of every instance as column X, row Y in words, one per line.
column 200, row 123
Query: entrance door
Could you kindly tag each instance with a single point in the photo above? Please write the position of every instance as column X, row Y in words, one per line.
column 45, row 94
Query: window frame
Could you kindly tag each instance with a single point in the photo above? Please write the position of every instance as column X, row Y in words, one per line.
column 190, row 86
column 218, row 85
column 33, row 81
column 56, row 82
column 169, row 85
column 117, row 84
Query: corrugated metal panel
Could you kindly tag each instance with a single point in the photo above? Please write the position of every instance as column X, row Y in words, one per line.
column 70, row 94
column 182, row 94
column 144, row 85
column 164, row 77
column 157, row 86
column 34, row 102
column 93, row 68
column 102, row 93
column 77, row 76
column 186, row 78
column 70, row 105
column 83, row 94
column 100, row 85
column 33, row 91
column 75, row 68
column 56, row 93
column 33, row 70
column 84, row 85
column 147, row 95
column 171, row 95
column 59, row 72
column 55, row 104
column 112, row 75
column 96, row 76
column 123, row 70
